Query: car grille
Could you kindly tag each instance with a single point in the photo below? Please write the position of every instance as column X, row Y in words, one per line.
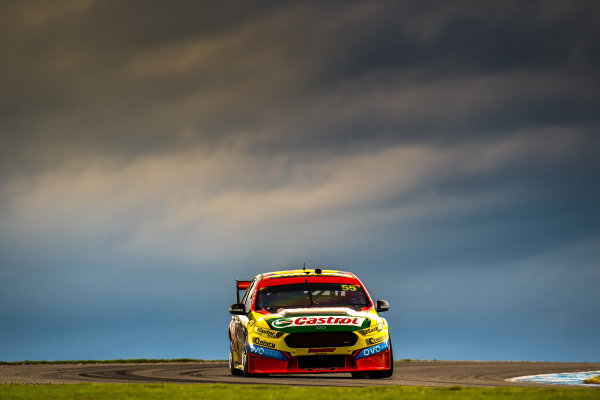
column 321, row 339
column 321, row 362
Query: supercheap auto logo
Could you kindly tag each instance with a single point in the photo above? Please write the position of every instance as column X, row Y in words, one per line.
column 327, row 320
column 269, row 333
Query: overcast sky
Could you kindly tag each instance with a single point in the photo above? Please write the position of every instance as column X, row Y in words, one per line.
column 445, row 152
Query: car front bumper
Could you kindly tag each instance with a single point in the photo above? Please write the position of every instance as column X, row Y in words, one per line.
column 270, row 361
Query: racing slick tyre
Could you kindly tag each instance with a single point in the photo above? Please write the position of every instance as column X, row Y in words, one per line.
column 387, row 373
column 245, row 358
column 245, row 361
column 232, row 368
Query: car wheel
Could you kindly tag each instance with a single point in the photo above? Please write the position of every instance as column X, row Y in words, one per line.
column 245, row 361
column 387, row 373
column 232, row 368
column 245, row 358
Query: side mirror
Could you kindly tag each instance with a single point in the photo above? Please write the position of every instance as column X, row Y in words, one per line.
column 238, row 309
column 382, row 306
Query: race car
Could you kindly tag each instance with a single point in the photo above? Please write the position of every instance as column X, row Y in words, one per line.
column 308, row 321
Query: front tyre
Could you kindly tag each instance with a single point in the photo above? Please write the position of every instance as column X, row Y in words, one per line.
column 387, row 373
column 246, row 361
column 234, row 371
column 245, row 358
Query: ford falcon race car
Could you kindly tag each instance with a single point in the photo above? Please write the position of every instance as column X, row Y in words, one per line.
column 308, row 321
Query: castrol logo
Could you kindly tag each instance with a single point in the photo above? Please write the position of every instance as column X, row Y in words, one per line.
column 332, row 320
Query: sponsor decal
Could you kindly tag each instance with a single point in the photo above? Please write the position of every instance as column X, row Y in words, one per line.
column 368, row 331
column 369, row 351
column 372, row 341
column 282, row 322
column 299, row 321
column 263, row 351
column 321, row 327
column 321, row 369
column 324, row 350
column 263, row 343
column 269, row 333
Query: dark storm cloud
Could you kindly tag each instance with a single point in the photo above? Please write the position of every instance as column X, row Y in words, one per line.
column 437, row 150
column 301, row 76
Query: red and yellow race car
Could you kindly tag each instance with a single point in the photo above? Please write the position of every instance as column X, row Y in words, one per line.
column 308, row 321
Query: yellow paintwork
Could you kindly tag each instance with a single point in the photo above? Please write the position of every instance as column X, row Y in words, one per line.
column 260, row 333
column 307, row 272
column 258, row 329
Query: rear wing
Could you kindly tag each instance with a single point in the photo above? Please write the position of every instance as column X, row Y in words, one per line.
column 240, row 285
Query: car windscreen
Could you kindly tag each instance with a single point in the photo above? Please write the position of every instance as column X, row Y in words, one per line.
column 310, row 295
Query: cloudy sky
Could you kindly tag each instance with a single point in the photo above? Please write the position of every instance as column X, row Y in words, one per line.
column 446, row 153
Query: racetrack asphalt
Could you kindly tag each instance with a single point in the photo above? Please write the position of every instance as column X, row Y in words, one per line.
column 414, row 373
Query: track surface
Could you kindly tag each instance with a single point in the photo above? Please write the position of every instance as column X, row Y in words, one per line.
column 418, row 373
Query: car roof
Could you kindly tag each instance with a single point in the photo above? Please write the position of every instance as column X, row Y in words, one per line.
column 301, row 275
column 306, row 273
column 315, row 275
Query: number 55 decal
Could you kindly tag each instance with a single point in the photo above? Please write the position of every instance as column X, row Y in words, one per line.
column 351, row 288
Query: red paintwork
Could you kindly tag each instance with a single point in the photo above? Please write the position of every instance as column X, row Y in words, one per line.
column 265, row 365
column 377, row 361
column 311, row 279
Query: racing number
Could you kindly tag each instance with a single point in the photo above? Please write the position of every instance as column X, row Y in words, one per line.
column 351, row 288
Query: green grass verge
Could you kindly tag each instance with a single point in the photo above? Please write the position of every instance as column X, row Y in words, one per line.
column 120, row 361
column 595, row 379
column 268, row 392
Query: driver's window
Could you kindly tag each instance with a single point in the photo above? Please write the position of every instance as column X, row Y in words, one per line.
column 247, row 299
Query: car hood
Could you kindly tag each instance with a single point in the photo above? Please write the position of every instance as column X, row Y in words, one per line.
column 321, row 320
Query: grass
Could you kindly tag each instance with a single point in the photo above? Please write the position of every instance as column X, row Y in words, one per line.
column 595, row 379
column 120, row 361
column 268, row 392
